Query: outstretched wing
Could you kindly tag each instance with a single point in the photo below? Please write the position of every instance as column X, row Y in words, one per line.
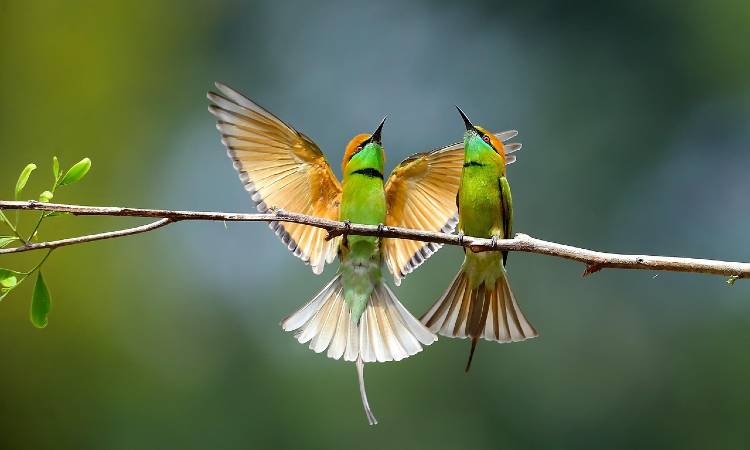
column 511, row 147
column 421, row 194
column 280, row 168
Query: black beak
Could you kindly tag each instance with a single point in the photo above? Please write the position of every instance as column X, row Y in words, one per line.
column 467, row 122
column 376, row 135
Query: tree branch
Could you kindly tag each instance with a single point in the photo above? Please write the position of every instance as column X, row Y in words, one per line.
column 594, row 260
column 88, row 238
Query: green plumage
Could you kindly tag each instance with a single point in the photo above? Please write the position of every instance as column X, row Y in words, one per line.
column 485, row 207
column 479, row 302
column 363, row 202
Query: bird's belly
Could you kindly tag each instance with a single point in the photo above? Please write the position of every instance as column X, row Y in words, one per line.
column 479, row 208
column 363, row 202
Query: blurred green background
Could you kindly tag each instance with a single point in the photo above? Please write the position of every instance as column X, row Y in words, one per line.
column 635, row 119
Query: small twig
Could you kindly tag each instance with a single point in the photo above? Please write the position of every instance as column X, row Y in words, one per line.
column 591, row 268
column 10, row 225
column 88, row 238
column 594, row 260
column 39, row 264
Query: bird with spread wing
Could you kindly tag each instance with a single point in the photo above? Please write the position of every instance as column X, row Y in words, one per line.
column 356, row 315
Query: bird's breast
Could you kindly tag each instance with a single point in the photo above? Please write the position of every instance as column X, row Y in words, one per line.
column 479, row 202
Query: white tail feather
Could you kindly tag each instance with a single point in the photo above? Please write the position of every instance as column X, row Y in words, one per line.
column 489, row 312
column 386, row 330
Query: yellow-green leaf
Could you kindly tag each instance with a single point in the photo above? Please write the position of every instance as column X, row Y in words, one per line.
column 55, row 167
column 24, row 177
column 5, row 240
column 9, row 278
column 75, row 173
column 45, row 196
column 40, row 303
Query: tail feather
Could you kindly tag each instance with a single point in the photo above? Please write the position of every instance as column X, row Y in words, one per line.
column 487, row 311
column 363, row 393
column 471, row 353
column 385, row 332
column 304, row 314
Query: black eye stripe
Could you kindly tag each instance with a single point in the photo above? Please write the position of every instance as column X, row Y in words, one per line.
column 369, row 172
column 361, row 146
column 365, row 142
column 487, row 140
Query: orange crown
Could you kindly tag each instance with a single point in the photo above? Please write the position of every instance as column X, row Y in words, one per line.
column 494, row 141
column 351, row 148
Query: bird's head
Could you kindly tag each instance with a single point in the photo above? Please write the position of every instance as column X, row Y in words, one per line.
column 364, row 151
column 480, row 141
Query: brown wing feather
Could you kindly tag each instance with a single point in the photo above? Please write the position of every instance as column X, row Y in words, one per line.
column 420, row 194
column 280, row 168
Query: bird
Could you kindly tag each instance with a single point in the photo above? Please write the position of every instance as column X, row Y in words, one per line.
column 479, row 302
column 356, row 316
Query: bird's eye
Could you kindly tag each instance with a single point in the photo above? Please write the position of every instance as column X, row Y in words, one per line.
column 486, row 138
column 359, row 148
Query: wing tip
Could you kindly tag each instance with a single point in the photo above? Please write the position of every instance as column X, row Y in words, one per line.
column 232, row 108
column 506, row 135
column 423, row 253
column 512, row 147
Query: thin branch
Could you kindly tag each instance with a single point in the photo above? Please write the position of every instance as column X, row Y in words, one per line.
column 10, row 225
column 594, row 260
column 40, row 263
column 88, row 238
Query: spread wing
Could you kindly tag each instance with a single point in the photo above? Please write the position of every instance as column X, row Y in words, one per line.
column 421, row 194
column 280, row 168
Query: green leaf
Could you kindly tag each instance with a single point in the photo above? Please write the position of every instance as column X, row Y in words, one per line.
column 45, row 196
column 9, row 278
column 40, row 303
column 4, row 292
column 24, row 177
column 5, row 240
column 55, row 168
column 75, row 173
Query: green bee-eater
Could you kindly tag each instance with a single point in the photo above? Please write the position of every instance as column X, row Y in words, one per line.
column 355, row 316
column 479, row 302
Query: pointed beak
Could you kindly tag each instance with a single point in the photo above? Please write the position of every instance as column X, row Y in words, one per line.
column 376, row 135
column 467, row 122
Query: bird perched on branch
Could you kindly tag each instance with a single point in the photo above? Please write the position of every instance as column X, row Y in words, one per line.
column 356, row 315
column 479, row 302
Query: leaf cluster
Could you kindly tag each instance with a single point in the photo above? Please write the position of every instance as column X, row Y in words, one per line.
column 11, row 279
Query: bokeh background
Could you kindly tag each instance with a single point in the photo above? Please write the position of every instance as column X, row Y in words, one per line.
column 635, row 119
